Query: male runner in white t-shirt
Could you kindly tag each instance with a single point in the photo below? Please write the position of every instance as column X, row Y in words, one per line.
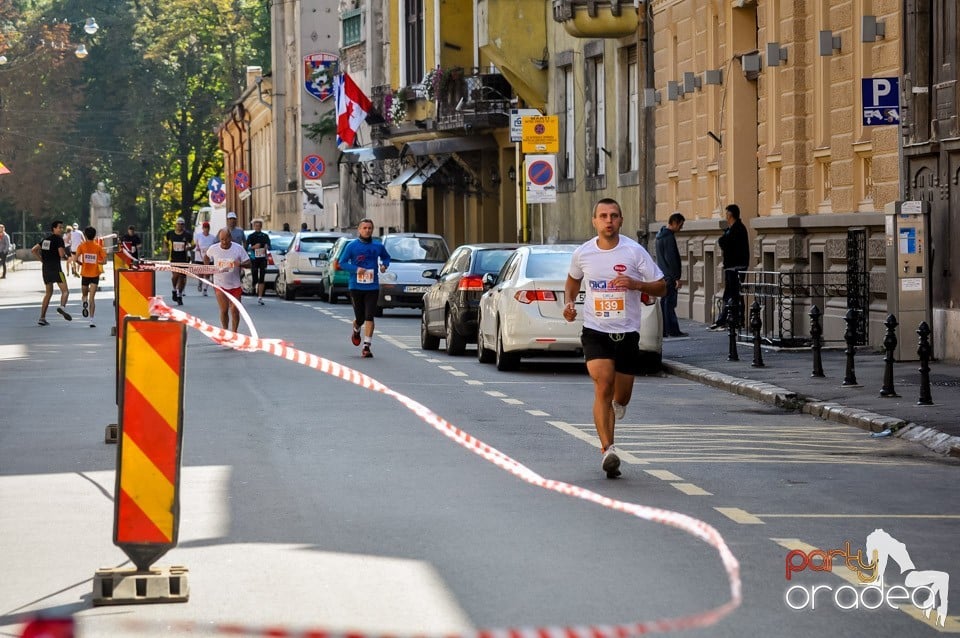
column 618, row 270
column 228, row 258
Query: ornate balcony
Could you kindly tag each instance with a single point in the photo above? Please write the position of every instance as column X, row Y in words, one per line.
column 597, row 18
column 474, row 102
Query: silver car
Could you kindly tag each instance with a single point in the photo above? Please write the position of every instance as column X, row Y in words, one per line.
column 404, row 285
column 521, row 314
column 305, row 264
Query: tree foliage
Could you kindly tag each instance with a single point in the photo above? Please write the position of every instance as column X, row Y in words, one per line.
column 141, row 113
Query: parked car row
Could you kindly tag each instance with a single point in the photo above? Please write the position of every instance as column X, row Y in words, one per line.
column 506, row 298
column 515, row 311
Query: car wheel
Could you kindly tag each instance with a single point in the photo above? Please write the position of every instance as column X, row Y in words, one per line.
column 455, row 343
column 280, row 287
column 288, row 292
column 484, row 354
column 331, row 295
column 505, row 360
column 427, row 340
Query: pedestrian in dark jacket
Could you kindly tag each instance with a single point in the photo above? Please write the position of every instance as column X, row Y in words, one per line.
column 668, row 258
column 735, row 245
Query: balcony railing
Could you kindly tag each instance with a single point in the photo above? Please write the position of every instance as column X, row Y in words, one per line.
column 476, row 101
column 473, row 102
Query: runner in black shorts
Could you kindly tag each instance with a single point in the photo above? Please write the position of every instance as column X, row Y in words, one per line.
column 258, row 244
column 50, row 251
column 615, row 271
column 364, row 259
column 622, row 347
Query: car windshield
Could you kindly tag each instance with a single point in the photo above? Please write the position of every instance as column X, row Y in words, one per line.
column 316, row 244
column 491, row 260
column 548, row 265
column 416, row 249
column 280, row 243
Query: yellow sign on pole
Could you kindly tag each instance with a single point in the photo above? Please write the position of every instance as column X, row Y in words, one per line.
column 541, row 134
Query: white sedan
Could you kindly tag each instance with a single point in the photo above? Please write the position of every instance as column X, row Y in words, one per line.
column 522, row 312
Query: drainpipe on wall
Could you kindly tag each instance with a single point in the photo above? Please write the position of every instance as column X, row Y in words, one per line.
column 648, row 193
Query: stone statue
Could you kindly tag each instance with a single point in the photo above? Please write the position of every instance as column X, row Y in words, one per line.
column 101, row 212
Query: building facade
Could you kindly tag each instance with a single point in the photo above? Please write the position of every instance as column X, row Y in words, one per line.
column 761, row 105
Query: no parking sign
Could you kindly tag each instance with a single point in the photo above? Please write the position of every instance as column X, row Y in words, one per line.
column 541, row 179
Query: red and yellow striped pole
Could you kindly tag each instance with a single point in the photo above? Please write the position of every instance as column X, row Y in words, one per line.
column 147, row 506
column 133, row 291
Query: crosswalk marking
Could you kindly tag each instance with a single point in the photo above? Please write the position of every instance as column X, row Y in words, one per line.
column 760, row 444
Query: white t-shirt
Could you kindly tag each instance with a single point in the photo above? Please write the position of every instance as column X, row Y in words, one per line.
column 608, row 309
column 76, row 238
column 227, row 258
column 203, row 242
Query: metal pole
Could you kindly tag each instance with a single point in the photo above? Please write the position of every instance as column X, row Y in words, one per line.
column 732, row 355
column 889, row 345
column 850, row 336
column 816, row 332
column 756, row 324
column 153, row 248
column 923, row 351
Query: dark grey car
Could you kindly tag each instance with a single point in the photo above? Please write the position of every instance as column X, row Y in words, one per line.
column 450, row 306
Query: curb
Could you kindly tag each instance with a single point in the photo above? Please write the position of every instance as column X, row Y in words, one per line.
column 930, row 438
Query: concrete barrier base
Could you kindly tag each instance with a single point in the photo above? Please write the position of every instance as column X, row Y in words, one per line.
column 129, row 586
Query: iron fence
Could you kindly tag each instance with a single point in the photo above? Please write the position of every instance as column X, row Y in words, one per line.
column 786, row 298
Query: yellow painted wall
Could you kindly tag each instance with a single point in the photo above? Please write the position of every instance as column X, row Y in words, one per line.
column 456, row 34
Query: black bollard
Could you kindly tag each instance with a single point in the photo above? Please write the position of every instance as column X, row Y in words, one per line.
column 889, row 345
column 816, row 334
column 732, row 322
column 923, row 350
column 850, row 377
column 755, row 325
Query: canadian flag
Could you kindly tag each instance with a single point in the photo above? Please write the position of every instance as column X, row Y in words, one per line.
column 352, row 109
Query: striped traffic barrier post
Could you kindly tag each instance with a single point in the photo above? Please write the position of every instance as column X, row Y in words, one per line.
column 147, row 494
column 133, row 291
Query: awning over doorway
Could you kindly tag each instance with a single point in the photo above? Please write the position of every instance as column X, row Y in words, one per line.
column 413, row 179
column 446, row 145
column 368, row 154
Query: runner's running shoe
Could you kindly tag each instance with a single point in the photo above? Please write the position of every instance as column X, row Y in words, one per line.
column 611, row 462
column 63, row 313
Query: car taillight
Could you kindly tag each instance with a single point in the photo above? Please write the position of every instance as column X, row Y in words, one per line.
column 531, row 296
column 646, row 299
column 471, row 283
column 270, row 261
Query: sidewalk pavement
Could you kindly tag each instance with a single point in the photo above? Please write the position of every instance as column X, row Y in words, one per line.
column 785, row 380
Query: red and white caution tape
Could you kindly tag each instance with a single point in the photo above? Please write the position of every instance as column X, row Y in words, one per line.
column 191, row 271
column 688, row 524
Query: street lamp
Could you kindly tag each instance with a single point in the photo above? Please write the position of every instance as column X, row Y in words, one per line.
column 90, row 27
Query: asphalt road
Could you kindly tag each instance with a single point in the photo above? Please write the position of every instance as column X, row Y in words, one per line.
column 310, row 502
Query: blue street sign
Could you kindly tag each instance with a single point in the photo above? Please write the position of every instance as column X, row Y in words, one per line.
column 214, row 184
column 881, row 101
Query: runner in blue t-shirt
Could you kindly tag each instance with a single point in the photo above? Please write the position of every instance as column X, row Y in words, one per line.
column 361, row 258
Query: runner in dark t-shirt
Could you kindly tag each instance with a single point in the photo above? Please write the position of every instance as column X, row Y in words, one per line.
column 258, row 244
column 51, row 251
column 179, row 241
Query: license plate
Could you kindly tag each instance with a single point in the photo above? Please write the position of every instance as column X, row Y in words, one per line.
column 416, row 289
column 318, row 263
